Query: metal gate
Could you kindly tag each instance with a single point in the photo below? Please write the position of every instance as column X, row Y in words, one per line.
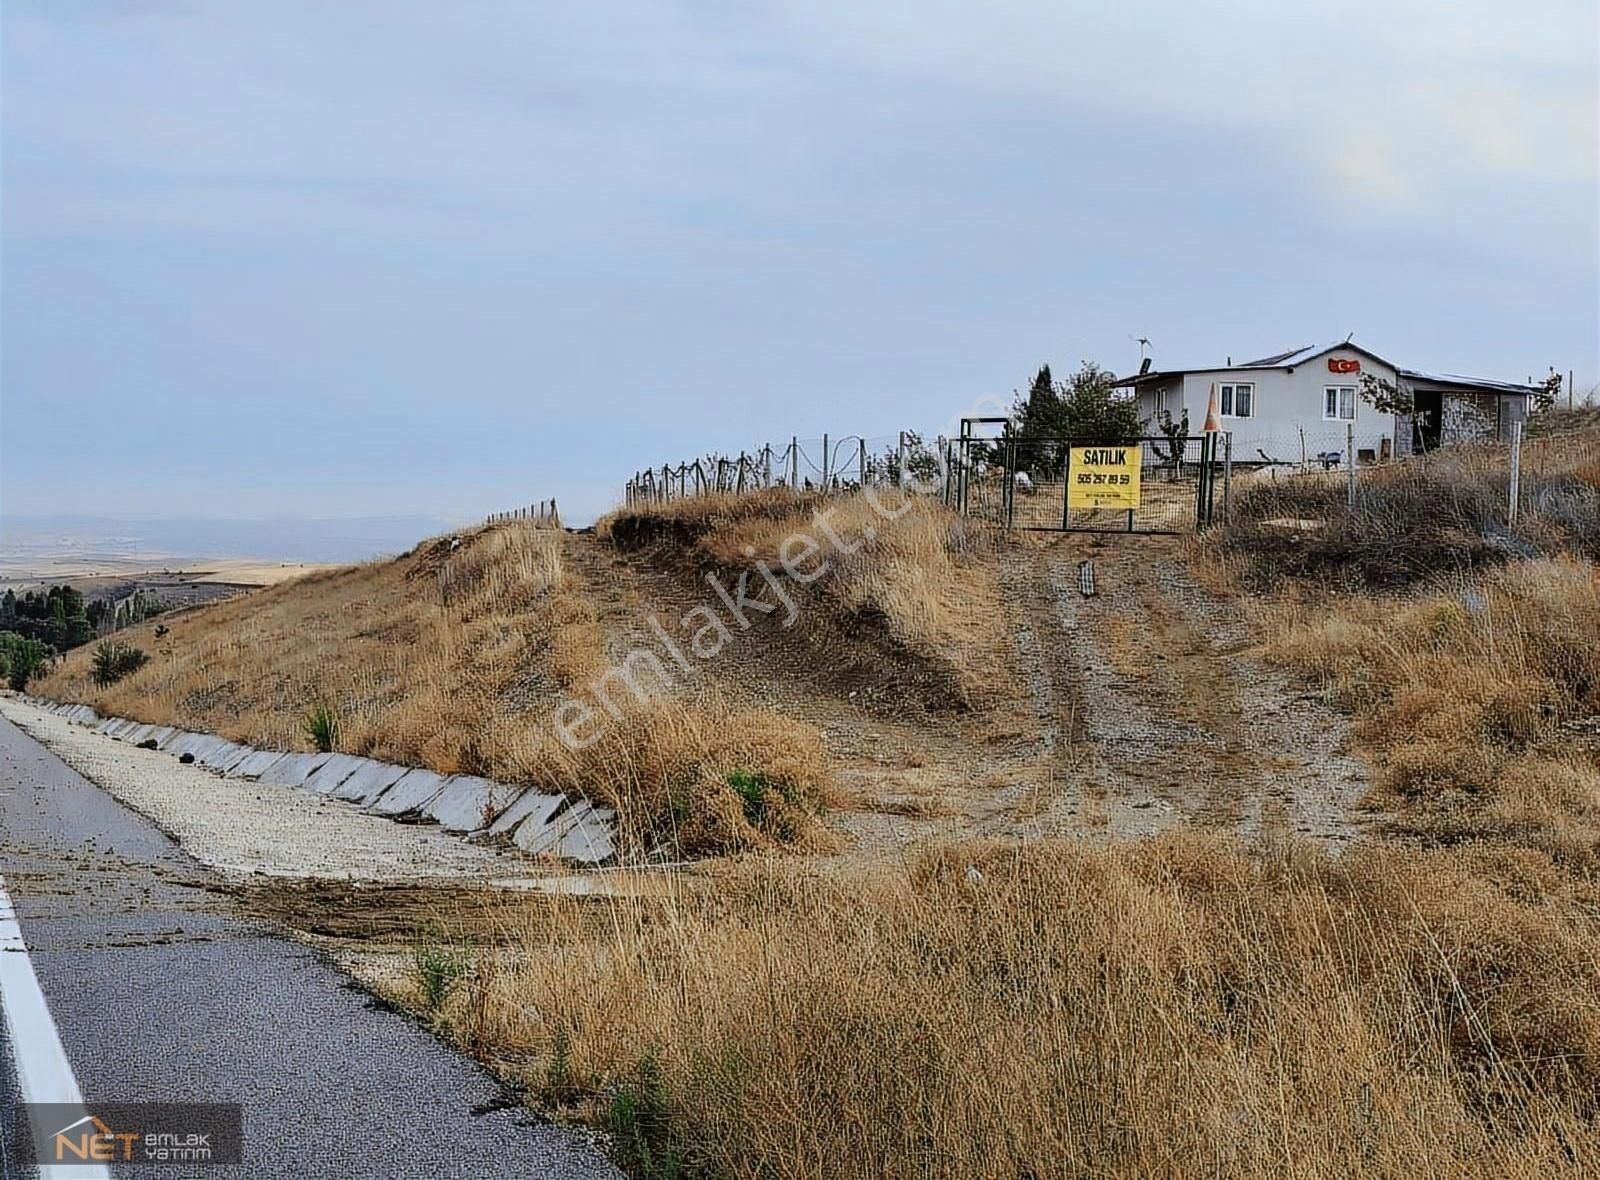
column 1152, row 484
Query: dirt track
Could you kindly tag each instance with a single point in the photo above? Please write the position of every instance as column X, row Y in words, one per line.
column 1133, row 710
column 1157, row 708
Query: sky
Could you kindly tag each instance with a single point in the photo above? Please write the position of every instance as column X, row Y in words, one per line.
column 285, row 258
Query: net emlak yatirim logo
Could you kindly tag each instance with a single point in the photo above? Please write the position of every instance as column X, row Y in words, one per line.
column 186, row 1134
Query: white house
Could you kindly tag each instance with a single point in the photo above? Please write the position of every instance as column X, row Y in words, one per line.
column 1301, row 404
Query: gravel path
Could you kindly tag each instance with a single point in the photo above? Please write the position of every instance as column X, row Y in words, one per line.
column 240, row 827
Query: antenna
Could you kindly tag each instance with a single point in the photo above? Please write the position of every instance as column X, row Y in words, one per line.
column 1144, row 349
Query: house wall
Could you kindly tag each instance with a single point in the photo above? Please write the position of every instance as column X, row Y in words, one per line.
column 1288, row 401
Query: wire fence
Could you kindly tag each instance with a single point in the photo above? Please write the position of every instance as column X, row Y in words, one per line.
column 543, row 513
column 829, row 463
column 1322, row 462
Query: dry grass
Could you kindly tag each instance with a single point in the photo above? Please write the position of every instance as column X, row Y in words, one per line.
column 1418, row 519
column 1473, row 703
column 454, row 658
column 413, row 654
column 674, row 771
column 1179, row 1007
column 905, row 571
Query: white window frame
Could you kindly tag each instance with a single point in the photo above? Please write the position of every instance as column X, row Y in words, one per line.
column 1228, row 398
column 1339, row 403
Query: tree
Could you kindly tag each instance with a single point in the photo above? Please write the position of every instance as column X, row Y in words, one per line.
column 23, row 658
column 1083, row 409
column 1385, row 396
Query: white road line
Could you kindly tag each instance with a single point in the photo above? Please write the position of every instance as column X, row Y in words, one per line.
column 43, row 1072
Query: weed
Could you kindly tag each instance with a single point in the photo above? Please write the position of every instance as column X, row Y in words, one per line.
column 440, row 969
column 639, row 1119
column 321, row 726
column 751, row 787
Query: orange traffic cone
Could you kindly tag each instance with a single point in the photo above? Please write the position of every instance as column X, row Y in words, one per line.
column 1212, row 426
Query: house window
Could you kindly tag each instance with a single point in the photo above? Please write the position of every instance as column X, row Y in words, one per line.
column 1339, row 403
column 1236, row 401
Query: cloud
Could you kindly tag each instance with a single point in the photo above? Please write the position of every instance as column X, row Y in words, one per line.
column 1440, row 93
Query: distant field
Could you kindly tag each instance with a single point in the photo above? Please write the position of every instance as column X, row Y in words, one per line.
column 85, row 571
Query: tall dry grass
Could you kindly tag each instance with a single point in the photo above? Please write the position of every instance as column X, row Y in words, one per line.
column 1181, row 1007
column 1439, row 515
column 1480, row 705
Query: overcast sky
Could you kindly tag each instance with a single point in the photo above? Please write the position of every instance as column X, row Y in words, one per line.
column 383, row 258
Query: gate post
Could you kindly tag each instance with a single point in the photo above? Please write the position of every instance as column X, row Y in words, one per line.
column 1066, row 484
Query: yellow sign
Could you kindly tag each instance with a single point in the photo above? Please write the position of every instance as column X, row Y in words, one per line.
column 1104, row 477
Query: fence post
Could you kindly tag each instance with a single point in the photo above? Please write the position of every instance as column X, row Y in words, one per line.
column 1227, row 478
column 794, row 462
column 900, row 461
column 863, row 461
column 824, row 462
column 1516, row 473
column 1350, row 464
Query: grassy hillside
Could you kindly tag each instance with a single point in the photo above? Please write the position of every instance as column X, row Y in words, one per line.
column 460, row 655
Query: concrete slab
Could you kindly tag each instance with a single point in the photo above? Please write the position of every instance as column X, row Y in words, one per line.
column 411, row 792
column 469, row 803
column 191, row 743
column 222, row 754
column 580, row 831
column 368, row 781
column 530, row 807
column 334, row 771
column 160, row 733
column 292, row 770
column 139, row 733
column 106, row 724
column 592, row 839
column 82, row 714
column 254, row 764
column 122, row 728
column 172, row 738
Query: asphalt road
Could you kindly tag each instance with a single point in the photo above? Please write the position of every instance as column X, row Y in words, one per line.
column 161, row 989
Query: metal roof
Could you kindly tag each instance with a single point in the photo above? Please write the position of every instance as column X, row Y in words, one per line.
column 1482, row 383
column 1277, row 359
column 1299, row 356
column 1283, row 360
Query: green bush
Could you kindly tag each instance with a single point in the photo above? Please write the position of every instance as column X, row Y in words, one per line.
column 113, row 661
column 322, row 728
column 22, row 658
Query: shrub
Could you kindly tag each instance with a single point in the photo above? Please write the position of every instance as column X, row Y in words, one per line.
column 20, row 658
column 321, row 725
column 114, row 661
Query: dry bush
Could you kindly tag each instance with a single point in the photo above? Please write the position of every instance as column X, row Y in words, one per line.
column 690, row 777
column 1179, row 1007
column 1417, row 519
column 1466, row 699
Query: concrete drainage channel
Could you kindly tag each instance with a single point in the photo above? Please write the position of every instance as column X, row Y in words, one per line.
column 475, row 808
